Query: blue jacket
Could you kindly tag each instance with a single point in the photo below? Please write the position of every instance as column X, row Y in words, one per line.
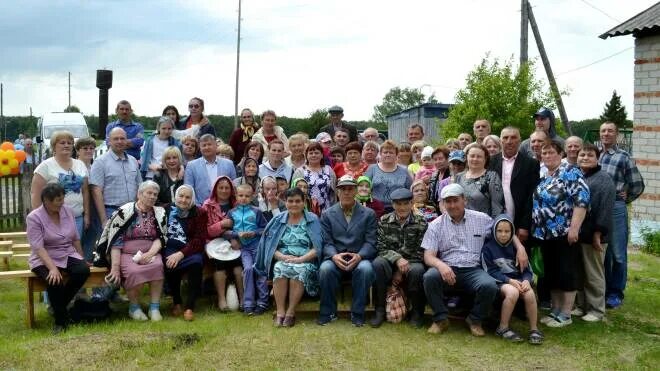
column 500, row 259
column 197, row 177
column 148, row 149
column 358, row 236
column 246, row 218
column 270, row 239
column 134, row 134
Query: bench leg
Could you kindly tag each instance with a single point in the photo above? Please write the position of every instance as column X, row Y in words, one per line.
column 5, row 263
column 29, row 319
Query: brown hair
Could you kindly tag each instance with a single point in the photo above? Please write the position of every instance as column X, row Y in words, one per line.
column 474, row 145
column 315, row 146
column 389, row 144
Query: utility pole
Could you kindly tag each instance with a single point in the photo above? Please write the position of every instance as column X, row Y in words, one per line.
column 548, row 70
column 238, row 61
column 2, row 105
column 69, row 90
column 524, row 26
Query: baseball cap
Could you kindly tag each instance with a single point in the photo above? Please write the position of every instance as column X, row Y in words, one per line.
column 457, row 155
column 544, row 112
column 347, row 181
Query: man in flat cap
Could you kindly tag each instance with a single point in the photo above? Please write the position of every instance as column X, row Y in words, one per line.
column 336, row 114
column 452, row 245
column 349, row 245
column 400, row 258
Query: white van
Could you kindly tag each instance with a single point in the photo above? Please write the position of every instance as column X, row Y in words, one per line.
column 73, row 122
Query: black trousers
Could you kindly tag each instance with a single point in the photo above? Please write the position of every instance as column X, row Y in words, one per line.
column 60, row 295
column 413, row 283
column 173, row 279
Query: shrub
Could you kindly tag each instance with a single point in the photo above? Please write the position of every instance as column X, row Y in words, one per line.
column 651, row 241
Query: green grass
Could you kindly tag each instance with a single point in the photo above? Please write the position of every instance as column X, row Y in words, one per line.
column 628, row 339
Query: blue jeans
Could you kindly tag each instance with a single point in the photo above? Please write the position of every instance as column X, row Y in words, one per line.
column 253, row 284
column 474, row 280
column 616, row 256
column 330, row 276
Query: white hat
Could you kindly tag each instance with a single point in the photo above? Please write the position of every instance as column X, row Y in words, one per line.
column 452, row 190
column 427, row 152
column 220, row 249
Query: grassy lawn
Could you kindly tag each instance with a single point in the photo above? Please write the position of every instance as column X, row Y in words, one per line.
column 629, row 339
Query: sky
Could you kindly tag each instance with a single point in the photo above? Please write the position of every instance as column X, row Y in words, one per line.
column 298, row 55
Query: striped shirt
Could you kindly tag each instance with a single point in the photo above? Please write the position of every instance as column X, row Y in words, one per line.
column 458, row 243
column 621, row 167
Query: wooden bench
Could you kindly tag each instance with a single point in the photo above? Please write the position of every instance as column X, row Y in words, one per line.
column 13, row 236
column 35, row 284
column 5, row 248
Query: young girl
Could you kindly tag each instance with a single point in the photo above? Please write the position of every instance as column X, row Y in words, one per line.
column 364, row 197
column 416, row 149
column 421, row 202
column 404, row 157
column 217, row 207
column 250, row 176
column 428, row 165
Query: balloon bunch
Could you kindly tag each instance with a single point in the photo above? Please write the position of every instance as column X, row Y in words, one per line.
column 10, row 159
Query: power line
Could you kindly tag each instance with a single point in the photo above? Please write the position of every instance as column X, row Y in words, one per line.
column 594, row 62
column 601, row 11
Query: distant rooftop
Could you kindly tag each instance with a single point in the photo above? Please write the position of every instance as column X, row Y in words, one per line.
column 644, row 23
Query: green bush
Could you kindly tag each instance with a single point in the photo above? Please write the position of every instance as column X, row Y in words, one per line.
column 651, row 241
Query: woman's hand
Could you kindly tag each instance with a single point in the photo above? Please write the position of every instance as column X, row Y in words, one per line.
column 573, row 234
column 146, row 257
column 525, row 286
column 235, row 244
column 114, row 276
column 292, row 259
column 54, row 277
column 154, row 167
column 173, row 260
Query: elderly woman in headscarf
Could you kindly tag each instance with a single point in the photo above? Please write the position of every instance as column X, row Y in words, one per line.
column 133, row 238
column 184, row 251
column 364, row 196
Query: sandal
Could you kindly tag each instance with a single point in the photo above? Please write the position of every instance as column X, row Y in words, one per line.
column 535, row 337
column 278, row 321
column 289, row 321
column 509, row 335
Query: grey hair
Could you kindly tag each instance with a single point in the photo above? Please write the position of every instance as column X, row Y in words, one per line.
column 148, row 184
column 207, row 138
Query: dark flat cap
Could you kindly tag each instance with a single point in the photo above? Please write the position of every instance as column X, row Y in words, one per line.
column 401, row 194
column 336, row 109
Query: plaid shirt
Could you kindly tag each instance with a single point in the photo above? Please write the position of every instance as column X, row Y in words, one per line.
column 623, row 171
column 458, row 243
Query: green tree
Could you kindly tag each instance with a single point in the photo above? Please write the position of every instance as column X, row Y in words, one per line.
column 615, row 111
column 72, row 109
column 495, row 91
column 398, row 99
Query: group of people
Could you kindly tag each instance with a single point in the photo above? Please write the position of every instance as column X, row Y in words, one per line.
column 440, row 224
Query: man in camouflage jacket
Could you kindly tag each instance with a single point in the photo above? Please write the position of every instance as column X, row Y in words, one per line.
column 400, row 257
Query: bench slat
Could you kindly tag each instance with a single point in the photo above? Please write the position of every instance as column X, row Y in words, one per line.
column 8, row 235
column 28, row 273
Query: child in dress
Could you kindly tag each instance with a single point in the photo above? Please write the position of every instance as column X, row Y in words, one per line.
column 249, row 224
column 428, row 166
column 499, row 259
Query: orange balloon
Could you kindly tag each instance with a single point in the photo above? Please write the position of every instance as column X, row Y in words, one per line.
column 7, row 146
column 15, row 170
column 20, row 155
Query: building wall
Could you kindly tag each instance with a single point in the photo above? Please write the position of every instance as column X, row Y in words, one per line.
column 397, row 125
column 646, row 128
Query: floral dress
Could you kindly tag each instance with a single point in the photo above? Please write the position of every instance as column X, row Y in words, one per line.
column 296, row 242
column 320, row 186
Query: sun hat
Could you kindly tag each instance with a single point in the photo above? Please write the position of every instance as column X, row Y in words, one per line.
column 220, row 249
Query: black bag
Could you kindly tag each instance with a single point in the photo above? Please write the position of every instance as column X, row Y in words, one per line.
column 90, row 311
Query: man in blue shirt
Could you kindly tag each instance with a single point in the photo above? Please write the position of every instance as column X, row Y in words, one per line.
column 134, row 130
column 201, row 173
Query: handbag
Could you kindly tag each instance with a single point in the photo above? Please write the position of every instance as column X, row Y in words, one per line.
column 395, row 307
column 536, row 261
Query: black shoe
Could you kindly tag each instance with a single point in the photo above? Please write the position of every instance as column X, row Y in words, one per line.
column 416, row 319
column 248, row 311
column 323, row 321
column 378, row 319
column 357, row 320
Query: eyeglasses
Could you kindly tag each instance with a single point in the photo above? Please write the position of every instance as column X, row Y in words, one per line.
column 246, row 117
column 193, row 106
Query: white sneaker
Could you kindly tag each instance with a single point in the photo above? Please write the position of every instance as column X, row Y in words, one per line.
column 138, row 315
column 591, row 318
column 155, row 315
column 577, row 312
column 559, row 322
column 548, row 318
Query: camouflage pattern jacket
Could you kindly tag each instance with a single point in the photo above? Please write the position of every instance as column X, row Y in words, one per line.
column 396, row 241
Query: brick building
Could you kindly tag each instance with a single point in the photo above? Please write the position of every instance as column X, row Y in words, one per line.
column 645, row 28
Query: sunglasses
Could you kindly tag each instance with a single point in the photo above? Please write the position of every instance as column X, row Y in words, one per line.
column 193, row 106
column 246, row 117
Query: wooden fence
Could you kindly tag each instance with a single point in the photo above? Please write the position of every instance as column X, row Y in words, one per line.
column 15, row 199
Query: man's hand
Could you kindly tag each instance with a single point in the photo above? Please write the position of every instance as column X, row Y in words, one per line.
column 596, row 242
column 355, row 260
column 339, row 261
column 522, row 259
column 403, row 265
column 447, row 274
column 573, row 234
